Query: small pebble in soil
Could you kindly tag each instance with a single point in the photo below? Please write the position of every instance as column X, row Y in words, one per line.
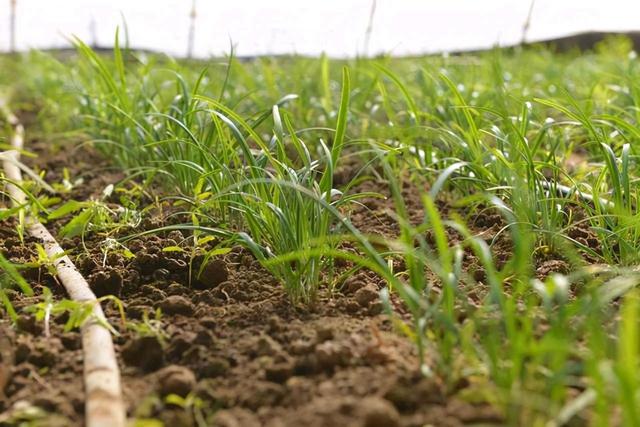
column 176, row 304
column 175, row 379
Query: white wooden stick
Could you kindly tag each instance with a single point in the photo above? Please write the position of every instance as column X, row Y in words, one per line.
column 103, row 394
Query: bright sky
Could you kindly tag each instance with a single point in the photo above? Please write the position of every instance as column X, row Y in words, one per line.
column 310, row 27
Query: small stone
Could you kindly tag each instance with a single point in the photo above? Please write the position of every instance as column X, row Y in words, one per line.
column 176, row 379
column 176, row 304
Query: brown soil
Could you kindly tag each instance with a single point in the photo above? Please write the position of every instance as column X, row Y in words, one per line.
column 230, row 337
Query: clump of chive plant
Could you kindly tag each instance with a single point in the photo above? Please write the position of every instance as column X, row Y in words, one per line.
column 283, row 201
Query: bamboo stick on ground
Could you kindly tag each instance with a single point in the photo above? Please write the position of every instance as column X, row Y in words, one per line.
column 103, row 395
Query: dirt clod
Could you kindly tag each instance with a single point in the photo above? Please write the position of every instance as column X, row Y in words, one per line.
column 104, row 283
column 378, row 412
column 364, row 296
column 176, row 379
column 267, row 346
column 331, row 354
column 213, row 367
column 145, row 353
column 324, row 333
column 236, row 417
column 279, row 372
column 176, row 304
column 214, row 273
column 28, row 323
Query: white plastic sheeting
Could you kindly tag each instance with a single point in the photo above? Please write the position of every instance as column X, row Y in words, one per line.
column 337, row 27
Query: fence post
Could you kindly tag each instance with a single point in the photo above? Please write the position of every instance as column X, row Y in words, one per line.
column 192, row 29
column 527, row 23
column 12, row 27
